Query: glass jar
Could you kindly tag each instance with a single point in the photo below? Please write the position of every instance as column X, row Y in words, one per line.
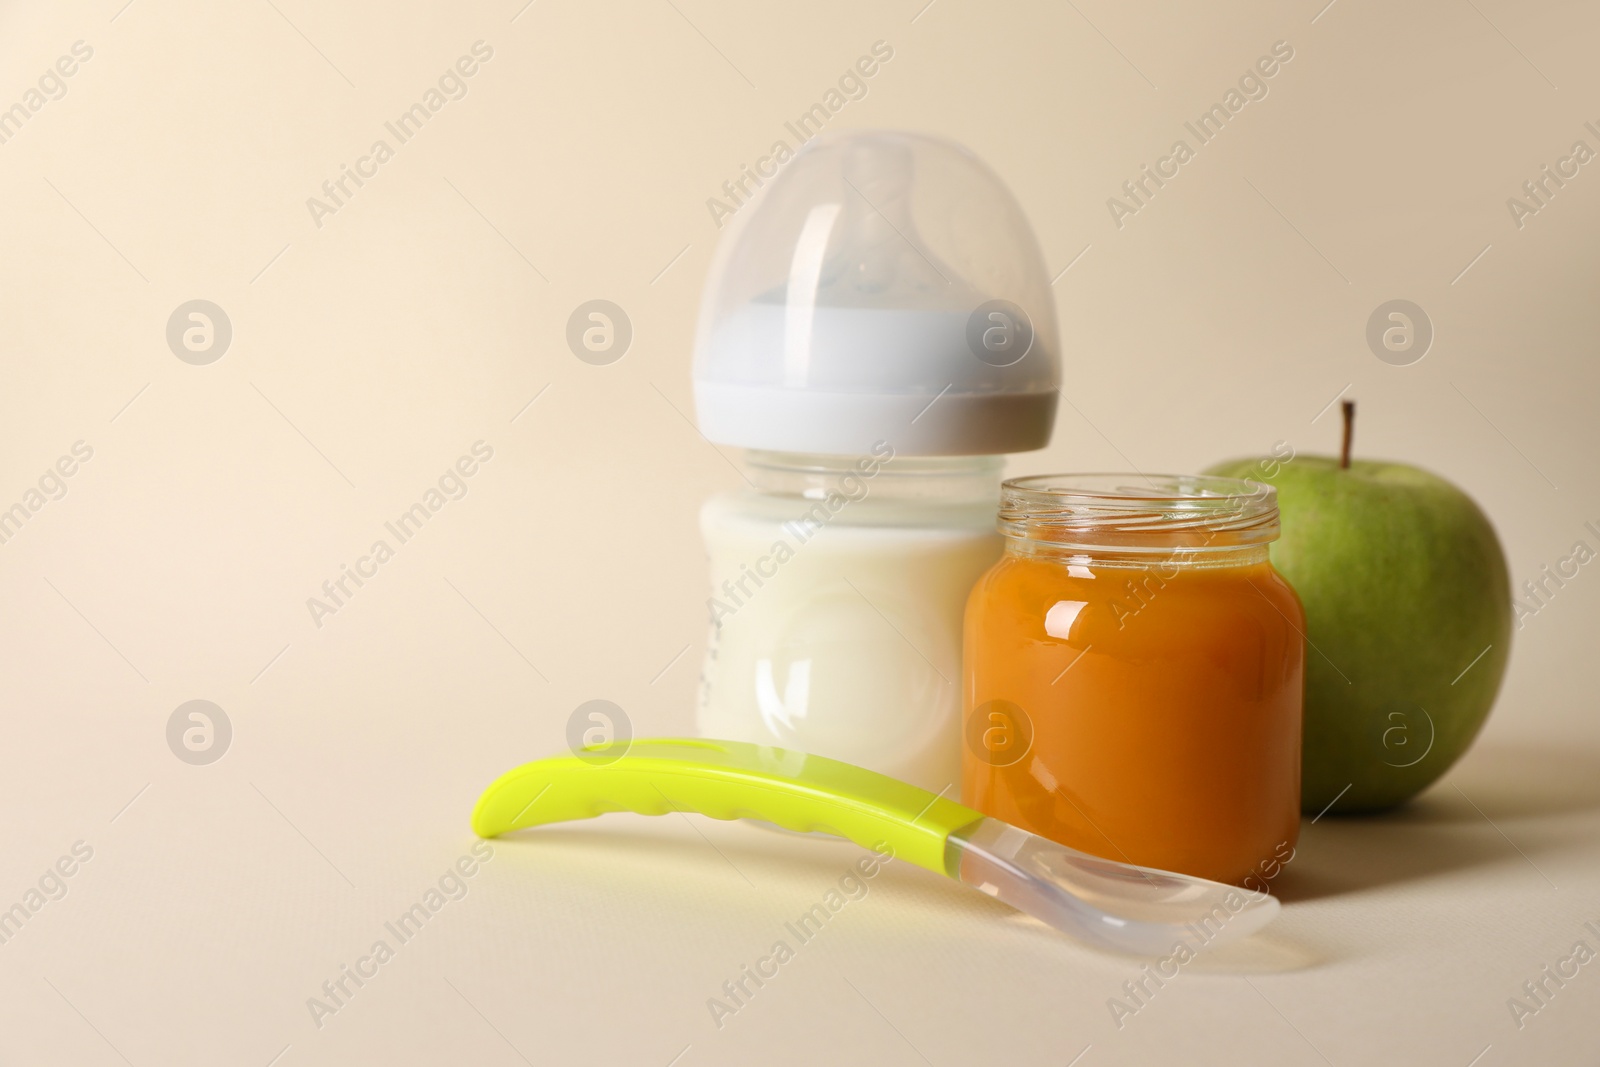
column 1133, row 673
column 837, row 590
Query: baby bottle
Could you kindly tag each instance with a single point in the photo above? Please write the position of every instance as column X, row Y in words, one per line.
column 877, row 331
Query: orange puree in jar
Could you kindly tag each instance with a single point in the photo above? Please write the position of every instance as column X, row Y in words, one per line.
column 1133, row 674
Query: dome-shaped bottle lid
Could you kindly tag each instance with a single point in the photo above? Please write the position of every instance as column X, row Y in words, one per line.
column 882, row 287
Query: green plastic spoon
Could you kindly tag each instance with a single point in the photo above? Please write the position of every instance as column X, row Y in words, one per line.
column 1112, row 905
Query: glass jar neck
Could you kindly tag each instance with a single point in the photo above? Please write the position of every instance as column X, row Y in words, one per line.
column 1140, row 520
column 1167, row 557
column 946, row 479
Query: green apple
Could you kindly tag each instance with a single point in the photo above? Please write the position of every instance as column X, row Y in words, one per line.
column 1408, row 621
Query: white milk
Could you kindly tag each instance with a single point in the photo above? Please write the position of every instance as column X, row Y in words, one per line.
column 850, row 644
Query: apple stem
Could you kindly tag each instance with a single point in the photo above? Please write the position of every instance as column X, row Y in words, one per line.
column 1349, row 409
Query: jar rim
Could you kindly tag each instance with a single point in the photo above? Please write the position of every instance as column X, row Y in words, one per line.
column 1129, row 509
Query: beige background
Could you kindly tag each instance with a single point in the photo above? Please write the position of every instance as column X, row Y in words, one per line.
column 371, row 352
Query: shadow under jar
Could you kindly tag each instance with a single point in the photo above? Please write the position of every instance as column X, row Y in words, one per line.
column 1133, row 673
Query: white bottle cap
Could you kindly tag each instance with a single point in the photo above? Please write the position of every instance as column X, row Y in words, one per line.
column 881, row 287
